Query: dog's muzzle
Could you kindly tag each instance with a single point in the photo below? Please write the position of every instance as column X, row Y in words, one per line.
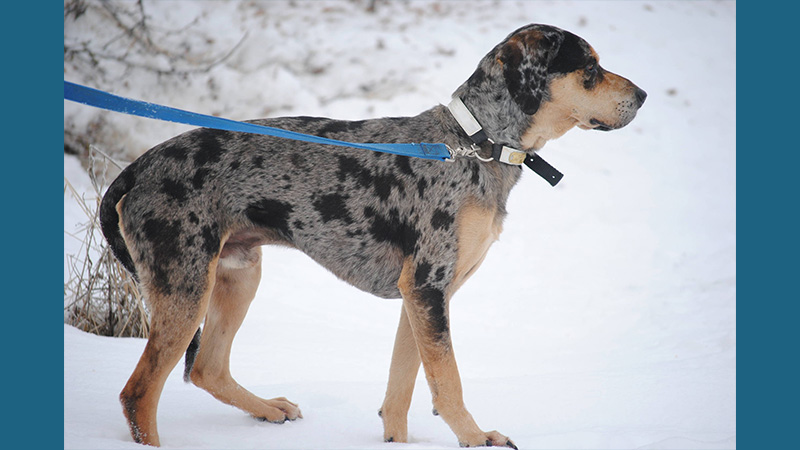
column 627, row 115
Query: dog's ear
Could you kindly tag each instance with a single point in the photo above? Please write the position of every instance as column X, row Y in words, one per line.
column 525, row 59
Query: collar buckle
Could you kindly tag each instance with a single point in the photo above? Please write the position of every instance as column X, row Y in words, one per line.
column 508, row 155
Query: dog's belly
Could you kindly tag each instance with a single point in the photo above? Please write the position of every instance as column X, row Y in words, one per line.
column 371, row 267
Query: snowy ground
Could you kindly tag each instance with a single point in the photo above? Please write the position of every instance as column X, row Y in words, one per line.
column 621, row 330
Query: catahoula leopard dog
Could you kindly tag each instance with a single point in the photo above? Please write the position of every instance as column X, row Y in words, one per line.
column 188, row 219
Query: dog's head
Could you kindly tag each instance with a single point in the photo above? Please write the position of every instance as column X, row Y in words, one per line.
column 540, row 82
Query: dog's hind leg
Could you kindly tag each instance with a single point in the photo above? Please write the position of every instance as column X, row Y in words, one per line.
column 235, row 287
column 173, row 321
column 402, row 376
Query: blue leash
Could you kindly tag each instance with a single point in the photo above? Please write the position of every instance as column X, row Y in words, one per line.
column 111, row 102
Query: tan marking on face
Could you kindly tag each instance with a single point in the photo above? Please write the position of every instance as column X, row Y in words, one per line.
column 554, row 117
column 611, row 102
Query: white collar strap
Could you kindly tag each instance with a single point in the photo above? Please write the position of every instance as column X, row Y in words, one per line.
column 500, row 152
column 467, row 121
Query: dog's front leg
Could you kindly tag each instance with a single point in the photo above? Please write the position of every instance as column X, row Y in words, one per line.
column 427, row 309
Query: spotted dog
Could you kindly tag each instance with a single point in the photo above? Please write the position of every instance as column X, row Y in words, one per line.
column 189, row 217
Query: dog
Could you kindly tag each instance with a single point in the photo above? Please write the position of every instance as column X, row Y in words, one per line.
column 188, row 219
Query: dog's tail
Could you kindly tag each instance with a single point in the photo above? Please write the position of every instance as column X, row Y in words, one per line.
column 109, row 219
column 191, row 353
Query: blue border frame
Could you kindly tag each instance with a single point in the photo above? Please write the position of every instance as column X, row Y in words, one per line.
column 33, row 325
column 767, row 225
column 766, row 221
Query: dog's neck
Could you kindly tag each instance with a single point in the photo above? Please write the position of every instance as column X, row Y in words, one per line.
column 470, row 125
column 487, row 98
column 499, row 152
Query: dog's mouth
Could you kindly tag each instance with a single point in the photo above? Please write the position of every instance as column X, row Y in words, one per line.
column 624, row 119
column 594, row 124
column 600, row 126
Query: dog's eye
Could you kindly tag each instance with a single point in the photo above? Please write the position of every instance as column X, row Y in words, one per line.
column 591, row 70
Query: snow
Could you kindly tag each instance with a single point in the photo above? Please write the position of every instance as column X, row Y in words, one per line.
column 605, row 317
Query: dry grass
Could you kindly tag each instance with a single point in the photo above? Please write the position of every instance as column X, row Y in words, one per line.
column 100, row 296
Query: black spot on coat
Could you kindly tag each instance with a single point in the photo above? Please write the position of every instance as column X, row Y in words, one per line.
column 176, row 152
column 298, row 162
column 273, row 214
column 210, row 147
column 476, row 174
column 422, row 272
column 434, row 300
column 332, row 127
column 441, row 220
column 422, row 184
column 211, row 239
column 332, row 207
column 350, row 168
column 404, row 164
column 164, row 238
column 199, row 178
column 393, row 230
column 174, row 189
column 384, row 183
column 258, row 161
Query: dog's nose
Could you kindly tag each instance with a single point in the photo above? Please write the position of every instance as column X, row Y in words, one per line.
column 640, row 96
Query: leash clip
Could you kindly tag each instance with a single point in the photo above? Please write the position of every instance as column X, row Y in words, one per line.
column 471, row 152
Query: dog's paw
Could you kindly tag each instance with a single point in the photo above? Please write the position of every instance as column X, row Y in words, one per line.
column 278, row 410
column 489, row 439
column 395, row 427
